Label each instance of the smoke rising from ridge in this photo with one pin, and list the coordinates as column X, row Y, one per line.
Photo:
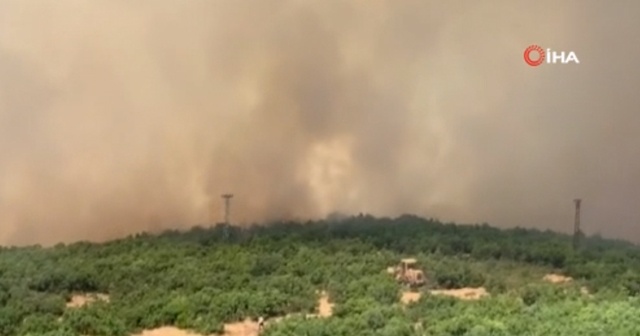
column 118, row 116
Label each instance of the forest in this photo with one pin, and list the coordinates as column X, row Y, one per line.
column 205, row 277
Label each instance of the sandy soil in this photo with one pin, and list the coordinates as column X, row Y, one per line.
column 463, row 293
column 246, row 328
column 325, row 308
column 408, row 297
column 166, row 331
column 79, row 300
column 556, row 278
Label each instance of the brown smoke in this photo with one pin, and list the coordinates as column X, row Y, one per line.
column 120, row 116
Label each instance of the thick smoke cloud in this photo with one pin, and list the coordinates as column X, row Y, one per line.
column 120, row 116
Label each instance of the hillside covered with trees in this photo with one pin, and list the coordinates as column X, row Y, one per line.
column 205, row 277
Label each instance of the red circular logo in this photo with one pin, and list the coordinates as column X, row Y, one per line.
column 527, row 55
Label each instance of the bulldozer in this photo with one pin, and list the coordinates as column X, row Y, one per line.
column 407, row 274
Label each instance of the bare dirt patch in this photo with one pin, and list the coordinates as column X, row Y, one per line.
column 167, row 331
column 325, row 308
column 556, row 278
column 408, row 297
column 79, row 300
column 245, row 328
column 463, row 293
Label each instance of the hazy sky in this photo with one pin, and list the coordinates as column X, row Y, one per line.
column 120, row 116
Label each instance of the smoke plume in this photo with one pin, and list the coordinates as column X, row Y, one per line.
column 120, row 116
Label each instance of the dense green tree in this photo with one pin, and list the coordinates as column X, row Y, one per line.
column 202, row 278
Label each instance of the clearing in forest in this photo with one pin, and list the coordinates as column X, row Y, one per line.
column 166, row 331
column 556, row 278
column 463, row 293
column 325, row 308
column 79, row 300
column 245, row 328
column 408, row 297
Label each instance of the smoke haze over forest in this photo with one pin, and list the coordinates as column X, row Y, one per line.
column 120, row 116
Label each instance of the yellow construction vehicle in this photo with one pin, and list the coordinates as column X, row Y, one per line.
column 407, row 274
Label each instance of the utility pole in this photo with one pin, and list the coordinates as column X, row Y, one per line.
column 227, row 205
column 576, row 227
